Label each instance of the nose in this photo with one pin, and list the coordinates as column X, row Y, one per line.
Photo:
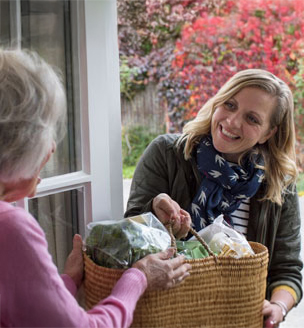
column 235, row 120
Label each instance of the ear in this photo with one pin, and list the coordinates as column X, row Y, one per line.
column 268, row 135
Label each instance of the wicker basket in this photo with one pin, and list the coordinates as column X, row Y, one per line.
column 219, row 293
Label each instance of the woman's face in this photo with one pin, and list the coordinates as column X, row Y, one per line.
column 242, row 122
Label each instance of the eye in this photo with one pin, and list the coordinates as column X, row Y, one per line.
column 253, row 120
column 229, row 105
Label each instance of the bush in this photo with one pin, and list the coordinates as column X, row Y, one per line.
column 134, row 141
column 300, row 184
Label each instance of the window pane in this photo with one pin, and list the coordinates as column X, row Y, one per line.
column 46, row 30
column 58, row 215
column 4, row 24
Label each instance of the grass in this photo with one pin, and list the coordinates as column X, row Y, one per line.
column 128, row 171
column 300, row 184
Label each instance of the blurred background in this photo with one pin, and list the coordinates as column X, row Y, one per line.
column 175, row 55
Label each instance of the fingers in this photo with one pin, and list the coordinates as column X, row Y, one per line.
column 167, row 254
column 266, row 311
column 169, row 211
column 165, row 208
column 185, row 223
column 273, row 315
column 161, row 271
column 179, row 279
column 77, row 243
column 179, row 271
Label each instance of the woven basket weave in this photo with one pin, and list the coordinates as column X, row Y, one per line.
column 226, row 293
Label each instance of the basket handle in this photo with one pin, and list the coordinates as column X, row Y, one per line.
column 196, row 235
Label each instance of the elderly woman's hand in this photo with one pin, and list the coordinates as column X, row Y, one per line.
column 168, row 211
column 161, row 271
column 74, row 263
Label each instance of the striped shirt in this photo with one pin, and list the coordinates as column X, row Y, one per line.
column 240, row 217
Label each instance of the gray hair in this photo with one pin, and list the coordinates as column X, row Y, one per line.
column 32, row 113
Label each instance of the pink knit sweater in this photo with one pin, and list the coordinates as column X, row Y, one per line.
column 32, row 293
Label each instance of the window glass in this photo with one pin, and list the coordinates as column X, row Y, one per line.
column 45, row 28
column 58, row 215
column 4, row 24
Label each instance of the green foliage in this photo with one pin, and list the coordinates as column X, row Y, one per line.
column 128, row 171
column 300, row 183
column 129, row 79
column 134, row 141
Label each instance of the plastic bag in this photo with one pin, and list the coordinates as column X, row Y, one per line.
column 224, row 240
column 119, row 244
column 191, row 249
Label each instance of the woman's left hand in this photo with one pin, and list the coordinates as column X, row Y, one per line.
column 74, row 263
column 272, row 314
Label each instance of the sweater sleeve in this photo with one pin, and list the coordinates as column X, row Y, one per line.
column 34, row 295
column 69, row 284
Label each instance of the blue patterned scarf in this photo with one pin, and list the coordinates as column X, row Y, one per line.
column 223, row 186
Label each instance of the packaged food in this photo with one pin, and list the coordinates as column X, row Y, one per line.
column 224, row 240
column 191, row 249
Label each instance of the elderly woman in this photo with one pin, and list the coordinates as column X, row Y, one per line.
column 236, row 158
column 32, row 113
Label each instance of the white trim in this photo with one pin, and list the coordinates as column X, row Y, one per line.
column 80, row 82
column 15, row 23
column 62, row 183
column 104, row 109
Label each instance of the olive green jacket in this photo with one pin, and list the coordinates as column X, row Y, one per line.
column 163, row 169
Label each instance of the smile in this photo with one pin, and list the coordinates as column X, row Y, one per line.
column 228, row 134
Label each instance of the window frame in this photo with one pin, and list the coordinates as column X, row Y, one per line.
column 97, row 90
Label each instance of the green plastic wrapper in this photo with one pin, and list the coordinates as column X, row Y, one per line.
column 119, row 244
column 191, row 249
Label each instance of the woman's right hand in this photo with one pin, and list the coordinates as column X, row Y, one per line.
column 163, row 271
column 168, row 211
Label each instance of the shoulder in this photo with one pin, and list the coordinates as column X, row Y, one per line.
column 18, row 225
column 164, row 143
column 167, row 139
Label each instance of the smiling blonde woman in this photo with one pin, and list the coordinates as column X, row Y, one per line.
column 237, row 158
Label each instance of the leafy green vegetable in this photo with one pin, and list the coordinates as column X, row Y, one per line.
column 119, row 244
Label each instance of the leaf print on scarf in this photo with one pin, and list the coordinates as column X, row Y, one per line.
column 234, row 177
column 261, row 177
column 215, row 174
column 220, row 160
column 202, row 198
column 195, row 208
column 241, row 196
column 224, row 205
column 223, row 185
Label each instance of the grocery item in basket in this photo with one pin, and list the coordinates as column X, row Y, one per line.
column 224, row 240
column 119, row 244
column 191, row 249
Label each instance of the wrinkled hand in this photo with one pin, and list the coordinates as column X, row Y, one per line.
column 272, row 314
column 161, row 271
column 74, row 263
column 167, row 211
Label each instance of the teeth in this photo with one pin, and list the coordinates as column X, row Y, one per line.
column 228, row 134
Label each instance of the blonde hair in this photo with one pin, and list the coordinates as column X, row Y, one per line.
column 278, row 151
column 32, row 113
